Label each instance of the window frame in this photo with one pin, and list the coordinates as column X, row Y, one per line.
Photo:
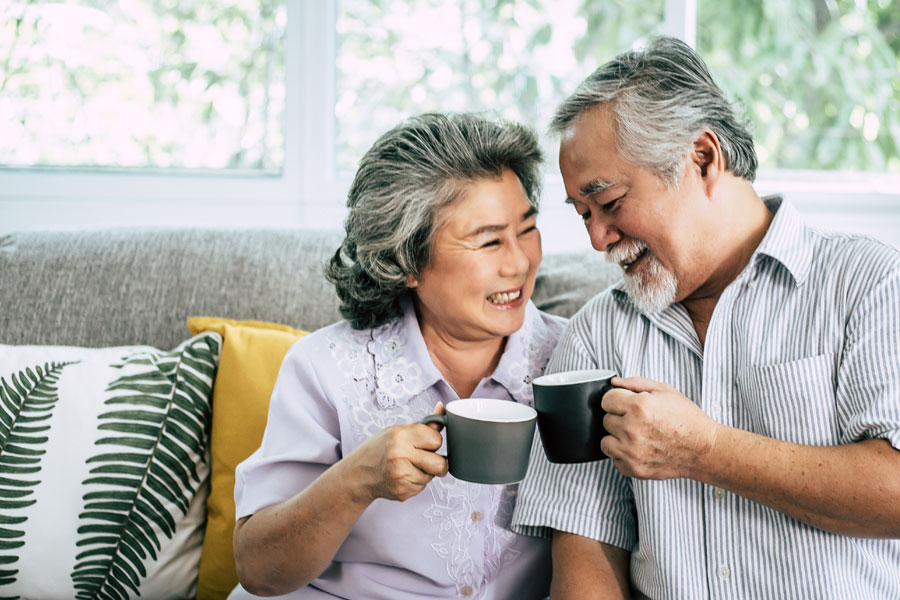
column 308, row 192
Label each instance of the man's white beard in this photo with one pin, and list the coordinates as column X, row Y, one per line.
column 653, row 288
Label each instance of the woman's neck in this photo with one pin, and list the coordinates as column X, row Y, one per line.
column 463, row 363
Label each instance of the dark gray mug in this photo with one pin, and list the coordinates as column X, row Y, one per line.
column 570, row 418
column 488, row 440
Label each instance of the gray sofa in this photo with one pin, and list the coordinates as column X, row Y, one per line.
column 126, row 287
column 136, row 286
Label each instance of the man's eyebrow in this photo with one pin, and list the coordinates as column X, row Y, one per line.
column 596, row 186
column 494, row 228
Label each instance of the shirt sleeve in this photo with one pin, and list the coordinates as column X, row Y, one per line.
column 868, row 391
column 590, row 499
column 301, row 440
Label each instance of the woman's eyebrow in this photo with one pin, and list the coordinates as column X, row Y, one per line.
column 495, row 228
column 485, row 229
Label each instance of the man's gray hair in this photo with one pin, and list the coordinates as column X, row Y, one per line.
column 662, row 97
column 412, row 172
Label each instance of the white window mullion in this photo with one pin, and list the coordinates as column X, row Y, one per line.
column 312, row 75
column 681, row 20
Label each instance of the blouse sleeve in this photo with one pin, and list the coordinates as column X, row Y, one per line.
column 302, row 437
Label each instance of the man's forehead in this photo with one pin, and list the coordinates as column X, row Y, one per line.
column 569, row 133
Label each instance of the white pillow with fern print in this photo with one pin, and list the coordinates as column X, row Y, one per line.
column 104, row 469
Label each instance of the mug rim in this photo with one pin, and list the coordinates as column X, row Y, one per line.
column 573, row 377
column 460, row 408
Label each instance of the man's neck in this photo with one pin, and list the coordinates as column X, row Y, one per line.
column 747, row 222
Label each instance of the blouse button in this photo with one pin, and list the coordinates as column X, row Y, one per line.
column 467, row 591
column 476, row 516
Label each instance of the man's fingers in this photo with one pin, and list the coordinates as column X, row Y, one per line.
column 639, row 384
column 615, row 401
column 613, row 424
column 610, row 446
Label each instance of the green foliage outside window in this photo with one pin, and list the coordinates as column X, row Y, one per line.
column 146, row 83
column 517, row 58
column 201, row 84
column 819, row 79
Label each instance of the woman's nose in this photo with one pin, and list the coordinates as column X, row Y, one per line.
column 516, row 261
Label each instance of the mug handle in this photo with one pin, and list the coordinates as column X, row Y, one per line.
column 442, row 419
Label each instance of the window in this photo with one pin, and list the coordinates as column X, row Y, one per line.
column 105, row 84
column 820, row 80
column 256, row 113
column 518, row 58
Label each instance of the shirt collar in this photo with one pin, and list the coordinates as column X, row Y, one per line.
column 787, row 241
column 404, row 369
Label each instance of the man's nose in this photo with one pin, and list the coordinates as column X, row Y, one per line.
column 602, row 233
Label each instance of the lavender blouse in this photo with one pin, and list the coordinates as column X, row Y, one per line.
column 337, row 387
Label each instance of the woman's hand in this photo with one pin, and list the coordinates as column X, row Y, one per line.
column 398, row 462
column 285, row 546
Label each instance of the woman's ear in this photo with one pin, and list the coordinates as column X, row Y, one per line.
column 707, row 156
column 411, row 281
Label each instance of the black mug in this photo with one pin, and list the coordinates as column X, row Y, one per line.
column 570, row 418
column 488, row 440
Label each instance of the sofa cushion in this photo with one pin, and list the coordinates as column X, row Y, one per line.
column 118, row 287
column 103, row 469
column 252, row 353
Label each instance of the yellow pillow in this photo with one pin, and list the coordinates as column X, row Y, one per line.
column 251, row 356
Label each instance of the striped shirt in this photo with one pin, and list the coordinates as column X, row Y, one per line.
column 803, row 346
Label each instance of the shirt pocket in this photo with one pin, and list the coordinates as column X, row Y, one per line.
column 792, row 401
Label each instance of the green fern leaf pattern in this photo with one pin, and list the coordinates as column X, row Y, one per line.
column 155, row 431
column 27, row 400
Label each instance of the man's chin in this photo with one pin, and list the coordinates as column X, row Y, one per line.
column 650, row 300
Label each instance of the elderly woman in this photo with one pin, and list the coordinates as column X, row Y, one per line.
column 347, row 496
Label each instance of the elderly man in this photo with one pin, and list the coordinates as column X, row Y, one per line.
column 754, row 438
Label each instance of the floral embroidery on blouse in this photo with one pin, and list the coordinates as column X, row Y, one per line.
column 385, row 388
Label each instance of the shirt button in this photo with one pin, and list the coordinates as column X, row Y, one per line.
column 719, row 493
column 724, row 572
column 476, row 516
column 716, row 409
column 467, row 591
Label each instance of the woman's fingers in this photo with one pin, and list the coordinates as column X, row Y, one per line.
column 438, row 410
column 430, row 463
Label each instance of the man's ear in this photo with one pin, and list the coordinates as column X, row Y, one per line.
column 411, row 281
column 707, row 157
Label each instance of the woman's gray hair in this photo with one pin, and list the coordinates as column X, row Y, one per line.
column 412, row 172
column 662, row 97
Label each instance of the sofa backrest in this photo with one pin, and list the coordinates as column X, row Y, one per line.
column 137, row 286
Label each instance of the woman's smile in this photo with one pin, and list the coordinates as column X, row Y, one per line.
column 508, row 299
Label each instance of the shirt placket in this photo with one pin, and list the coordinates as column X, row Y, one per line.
column 478, row 512
column 719, row 509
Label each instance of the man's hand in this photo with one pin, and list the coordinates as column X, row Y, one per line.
column 655, row 431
